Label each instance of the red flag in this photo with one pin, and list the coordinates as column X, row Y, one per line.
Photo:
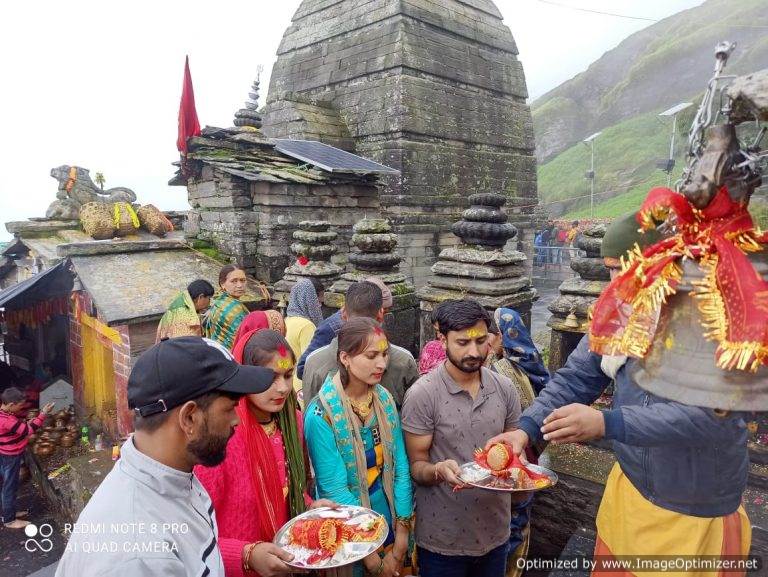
column 188, row 123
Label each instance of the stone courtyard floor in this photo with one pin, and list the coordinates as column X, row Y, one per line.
column 15, row 559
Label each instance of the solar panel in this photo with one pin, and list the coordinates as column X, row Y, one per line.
column 330, row 158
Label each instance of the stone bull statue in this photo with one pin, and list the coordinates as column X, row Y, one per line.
column 76, row 189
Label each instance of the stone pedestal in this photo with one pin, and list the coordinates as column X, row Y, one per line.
column 375, row 256
column 480, row 268
column 576, row 296
column 312, row 248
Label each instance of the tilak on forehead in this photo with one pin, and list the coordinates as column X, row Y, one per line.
column 382, row 343
column 474, row 333
column 284, row 362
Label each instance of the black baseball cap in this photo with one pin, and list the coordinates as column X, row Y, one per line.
column 178, row 370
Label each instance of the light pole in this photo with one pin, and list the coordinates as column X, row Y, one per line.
column 668, row 164
column 590, row 142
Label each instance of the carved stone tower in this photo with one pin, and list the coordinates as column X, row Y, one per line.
column 433, row 89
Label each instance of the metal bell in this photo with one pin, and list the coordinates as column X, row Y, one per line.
column 680, row 364
column 571, row 321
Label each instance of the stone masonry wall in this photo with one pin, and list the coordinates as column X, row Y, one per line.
column 251, row 223
column 433, row 89
column 281, row 207
column 222, row 214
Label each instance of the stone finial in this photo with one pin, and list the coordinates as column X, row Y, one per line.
column 375, row 243
column 249, row 116
column 374, row 256
column 576, row 296
column 480, row 268
column 484, row 223
column 312, row 246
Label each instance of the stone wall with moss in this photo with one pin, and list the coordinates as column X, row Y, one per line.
column 251, row 223
column 433, row 89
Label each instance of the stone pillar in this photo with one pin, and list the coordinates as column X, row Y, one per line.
column 313, row 250
column 375, row 255
column 480, row 268
column 576, row 296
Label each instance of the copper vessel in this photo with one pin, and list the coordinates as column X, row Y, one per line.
column 44, row 449
column 67, row 440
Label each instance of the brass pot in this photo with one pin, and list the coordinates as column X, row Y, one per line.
column 44, row 449
column 62, row 414
column 73, row 428
column 54, row 436
column 60, row 423
column 67, row 440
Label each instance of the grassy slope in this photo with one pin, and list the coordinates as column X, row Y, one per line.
column 626, row 152
column 625, row 158
column 695, row 31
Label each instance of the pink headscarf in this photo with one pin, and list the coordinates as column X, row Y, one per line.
column 431, row 355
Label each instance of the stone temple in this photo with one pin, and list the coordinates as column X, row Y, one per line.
column 431, row 88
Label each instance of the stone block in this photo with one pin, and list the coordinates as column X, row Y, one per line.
column 496, row 287
column 477, row 270
column 482, row 257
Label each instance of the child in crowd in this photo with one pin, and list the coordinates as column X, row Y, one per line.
column 14, row 436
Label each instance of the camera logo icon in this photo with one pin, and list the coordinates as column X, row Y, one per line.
column 38, row 538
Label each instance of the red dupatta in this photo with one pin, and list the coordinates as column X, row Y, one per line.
column 271, row 507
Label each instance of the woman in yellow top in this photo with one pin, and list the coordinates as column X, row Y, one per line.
column 302, row 317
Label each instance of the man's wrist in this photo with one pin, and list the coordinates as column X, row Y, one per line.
column 531, row 428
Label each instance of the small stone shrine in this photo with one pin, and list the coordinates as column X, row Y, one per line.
column 570, row 310
column 480, row 268
column 312, row 246
column 247, row 197
column 375, row 255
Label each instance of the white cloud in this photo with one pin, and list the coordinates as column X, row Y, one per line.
column 97, row 84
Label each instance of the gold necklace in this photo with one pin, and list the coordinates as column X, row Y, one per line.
column 269, row 428
column 362, row 408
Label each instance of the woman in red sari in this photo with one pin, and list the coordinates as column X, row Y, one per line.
column 263, row 481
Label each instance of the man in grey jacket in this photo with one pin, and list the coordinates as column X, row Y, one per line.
column 151, row 516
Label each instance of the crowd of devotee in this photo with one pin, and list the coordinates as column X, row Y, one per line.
column 245, row 420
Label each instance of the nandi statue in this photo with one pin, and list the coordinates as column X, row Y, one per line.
column 76, row 189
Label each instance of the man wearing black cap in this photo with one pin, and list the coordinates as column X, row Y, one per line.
column 151, row 516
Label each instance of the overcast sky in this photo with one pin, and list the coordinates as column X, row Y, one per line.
column 97, row 83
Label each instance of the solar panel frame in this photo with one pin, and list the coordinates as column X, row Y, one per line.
column 330, row 158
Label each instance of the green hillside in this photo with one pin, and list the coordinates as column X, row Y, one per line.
column 625, row 168
column 625, row 162
column 653, row 69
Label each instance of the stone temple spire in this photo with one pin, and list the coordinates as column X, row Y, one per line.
column 249, row 116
